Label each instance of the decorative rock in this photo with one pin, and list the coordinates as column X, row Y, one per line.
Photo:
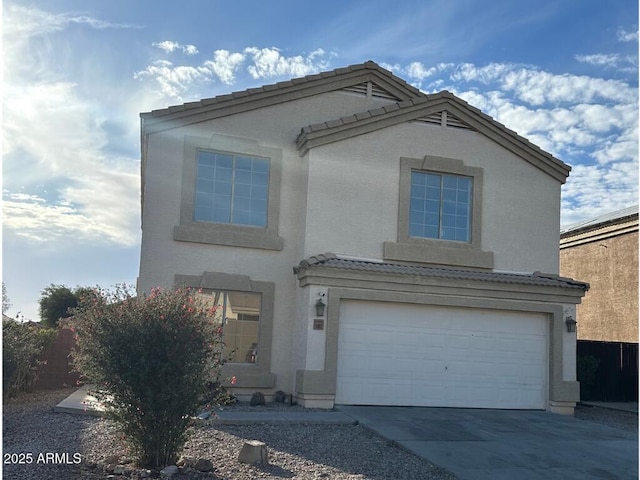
column 186, row 462
column 257, row 399
column 254, row 451
column 204, row 415
column 119, row 469
column 110, row 468
column 169, row 471
column 145, row 473
column 204, row 465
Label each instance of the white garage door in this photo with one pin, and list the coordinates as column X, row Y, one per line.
column 415, row 355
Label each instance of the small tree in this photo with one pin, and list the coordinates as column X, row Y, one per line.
column 55, row 303
column 151, row 357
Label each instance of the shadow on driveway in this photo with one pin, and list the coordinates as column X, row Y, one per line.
column 479, row 444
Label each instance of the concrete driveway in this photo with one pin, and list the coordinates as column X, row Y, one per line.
column 478, row 444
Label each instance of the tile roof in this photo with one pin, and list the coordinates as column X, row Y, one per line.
column 411, row 101
column 602, row 220
column 330, row 260
column 413, row 108
column 368, row 66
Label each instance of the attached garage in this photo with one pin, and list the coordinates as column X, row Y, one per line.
column 424, row 355
column 410, row 335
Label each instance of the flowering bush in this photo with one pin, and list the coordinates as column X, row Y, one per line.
column 151, row 358
column 22, row 348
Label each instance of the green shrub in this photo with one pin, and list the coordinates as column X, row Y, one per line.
column 22, row 348
column 587, row 368
column 151, row 358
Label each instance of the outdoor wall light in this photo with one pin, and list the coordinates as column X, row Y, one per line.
column 320, row 308
column 571, row 324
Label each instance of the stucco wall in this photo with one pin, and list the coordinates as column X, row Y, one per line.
column 352, row 205
column 162, row 257
column 609, row 310
column 341, row 198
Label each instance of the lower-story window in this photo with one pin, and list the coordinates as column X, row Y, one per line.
column 238, row 313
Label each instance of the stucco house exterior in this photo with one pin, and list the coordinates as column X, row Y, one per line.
column 604, row 252
column 365, row 243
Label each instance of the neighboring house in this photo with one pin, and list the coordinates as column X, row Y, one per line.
column 604, row 252
column 438, row 220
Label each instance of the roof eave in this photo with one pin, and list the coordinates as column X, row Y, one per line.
column 367, row 122
column 269, row 95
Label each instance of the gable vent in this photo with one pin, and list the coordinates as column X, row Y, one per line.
column 444, row 119
column 371, row 89
column 435, row 118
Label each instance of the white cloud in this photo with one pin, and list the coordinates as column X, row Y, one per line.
column 600, row 59
column 30, row 21
column 190, row 49
column 179, row 82
column 269, row 62
column 169, row 47
column 225, row 65
column 594, row 190
column 174, row 81
column 417, row 72
column 624, row 36
column 99, row 213
column 538, row 87
column 55, row 139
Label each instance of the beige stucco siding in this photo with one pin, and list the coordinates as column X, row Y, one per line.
column 352, row 203
column 162, row 257
column 342, row 198
column 609, row 310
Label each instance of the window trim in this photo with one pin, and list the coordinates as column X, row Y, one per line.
column 431, row 250
column 222, row 233
column 248, row 375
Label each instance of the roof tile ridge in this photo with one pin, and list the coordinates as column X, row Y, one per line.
column 375, row 112
column 225, row 97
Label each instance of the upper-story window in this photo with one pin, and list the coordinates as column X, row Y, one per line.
column 440, row 206
column 231, row 189
column 230, row 193
column 439, row 214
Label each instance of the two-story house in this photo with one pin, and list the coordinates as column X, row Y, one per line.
column 365, row 243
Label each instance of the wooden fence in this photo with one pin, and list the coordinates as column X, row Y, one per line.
column 56, row 373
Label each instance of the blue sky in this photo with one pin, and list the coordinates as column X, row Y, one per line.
column 78, row 73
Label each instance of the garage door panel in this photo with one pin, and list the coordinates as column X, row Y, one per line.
column 440, row 356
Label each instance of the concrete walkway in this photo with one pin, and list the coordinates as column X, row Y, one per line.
column 478, row 444
column 81, row 402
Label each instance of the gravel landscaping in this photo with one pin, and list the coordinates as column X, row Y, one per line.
column 297, row 451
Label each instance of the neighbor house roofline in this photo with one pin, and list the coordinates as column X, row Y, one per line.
column 619, row 216
column 613, row 224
